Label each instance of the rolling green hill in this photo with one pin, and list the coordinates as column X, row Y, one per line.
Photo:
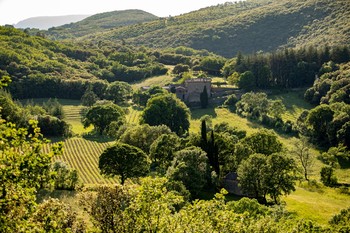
column 247, row 26
column 100, row 22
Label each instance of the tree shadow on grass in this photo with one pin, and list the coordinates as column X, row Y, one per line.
column 344, row 163
column 59, row 194
column 92, row 136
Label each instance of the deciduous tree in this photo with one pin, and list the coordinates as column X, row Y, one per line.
column 167, row 110
column 301, row 151
column 102, row 115
column 190, row 166
column 123, row 160
column 261, row 175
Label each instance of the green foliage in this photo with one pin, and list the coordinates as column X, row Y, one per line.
column 129, row 208
column 190, row 166
column 54, row 108
column 141, row 97
column 263, row 142
column 52, row 126
column 180, row 68
column 105, row 206
column 55, row 216
column 211, row 65
column 224, row 127
column 10, row 111
column 24, row 169
column 246, row 81
column 341, row 220
column 143, row 136
column 233, row 78
column 248, row 27
column 333, row 86
column 250, row 206
column 168, row 110
column 40, row 68
column 262, row 175
column 99, row 23
column 231, row 101
column 89, row 98
column 162, row 151
column 327, row 176
column 334, row 155
column 64, row 177
column 276, row 109
column 302, row 154
column 319, row 119
column 254, row 105
column 102, row 115
column 123, row 160
column 118, row 92
column 4, row 81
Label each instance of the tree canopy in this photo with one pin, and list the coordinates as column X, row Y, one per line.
column 190, row 166
column 167, row 110
column 102, row 115
column 262, row 175
column 123, row 160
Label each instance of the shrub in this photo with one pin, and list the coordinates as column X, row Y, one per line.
column 327, row 176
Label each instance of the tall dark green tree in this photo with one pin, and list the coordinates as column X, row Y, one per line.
column 204, row 97
column 319, row 119
column 213, row 153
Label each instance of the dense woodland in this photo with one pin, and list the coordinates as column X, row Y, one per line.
column 162, row 171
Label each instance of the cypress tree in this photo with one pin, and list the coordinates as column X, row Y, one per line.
column 204, row 97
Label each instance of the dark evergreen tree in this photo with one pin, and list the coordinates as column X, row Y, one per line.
column 213, row 153
column 204, row 97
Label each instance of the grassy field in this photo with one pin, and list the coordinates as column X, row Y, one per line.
column 221, row 115
column 72, row 110
column 158, row 80
column 294, row 102
column 319, row 205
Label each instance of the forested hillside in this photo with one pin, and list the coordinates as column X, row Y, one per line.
column 42, row 68
column 100, row 22
column 247, row 26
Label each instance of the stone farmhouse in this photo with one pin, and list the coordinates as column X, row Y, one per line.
column 190, row 91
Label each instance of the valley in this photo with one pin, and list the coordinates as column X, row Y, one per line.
column 230, row 118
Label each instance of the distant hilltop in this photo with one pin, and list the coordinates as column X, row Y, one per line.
column 46, row 22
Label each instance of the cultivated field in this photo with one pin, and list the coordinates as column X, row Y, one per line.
column 82, row 154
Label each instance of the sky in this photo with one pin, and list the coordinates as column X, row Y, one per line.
column 13, row 11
